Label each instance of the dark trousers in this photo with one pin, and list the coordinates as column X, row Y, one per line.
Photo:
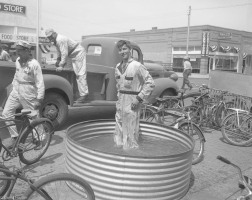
column 186, row 74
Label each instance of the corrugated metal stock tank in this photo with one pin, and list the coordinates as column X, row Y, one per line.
column 150, row 173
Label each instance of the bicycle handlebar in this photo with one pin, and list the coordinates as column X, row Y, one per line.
column 223, row 160
column 23, row 113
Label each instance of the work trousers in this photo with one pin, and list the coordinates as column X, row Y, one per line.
column 10, row 107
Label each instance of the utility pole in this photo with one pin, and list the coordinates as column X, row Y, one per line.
column 188, row 29
column 38, row 30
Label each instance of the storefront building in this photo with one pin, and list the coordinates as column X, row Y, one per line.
column 209, row 48
column 19, row 21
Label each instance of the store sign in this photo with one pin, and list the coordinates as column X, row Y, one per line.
column 205, row 43
column 44, row 40
column 14, row 38
column 12, row 8
column 224, row 36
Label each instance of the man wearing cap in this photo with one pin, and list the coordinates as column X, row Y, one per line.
column 28, row 86
column 186, row 73
column 4, row 56
column 68, row 48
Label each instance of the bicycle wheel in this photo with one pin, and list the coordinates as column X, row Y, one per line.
column 188, row 99
column 4, row 184
column 237, row 129
column 35, row 140
column 61, row 186
column 170, row 115
column 148, row 114
column 222, row 111
column 195, row 132
column 195, row 113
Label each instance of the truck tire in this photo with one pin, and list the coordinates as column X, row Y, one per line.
column 55, row 108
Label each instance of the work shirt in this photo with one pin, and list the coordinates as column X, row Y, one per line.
column 135, row 78
column 28, row 82
column 64, row 47
column 187, row 65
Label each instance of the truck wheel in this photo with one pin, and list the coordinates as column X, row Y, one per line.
column 55, row 108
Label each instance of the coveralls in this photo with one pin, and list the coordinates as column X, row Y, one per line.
column 135, row 80
column 69, row 48
column 186, row 73
column 28, row 87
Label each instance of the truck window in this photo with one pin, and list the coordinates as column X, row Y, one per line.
column 94, row 50
column 135, row 54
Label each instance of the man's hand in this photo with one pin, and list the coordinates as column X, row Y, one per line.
column 134, row 104
column 57, row 63
column 37, row 104
column 59, row 69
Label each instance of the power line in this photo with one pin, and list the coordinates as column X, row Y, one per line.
column 246, row 4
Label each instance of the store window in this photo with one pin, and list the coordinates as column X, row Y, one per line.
column 178, row 64
column 226, row 63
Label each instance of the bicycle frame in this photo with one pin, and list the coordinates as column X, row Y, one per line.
column 24, row 121
column 19, row 175
column 243, row 180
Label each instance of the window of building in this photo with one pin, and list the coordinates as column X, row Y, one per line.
column 226, row 63
column 178, row 65
column 94, row 50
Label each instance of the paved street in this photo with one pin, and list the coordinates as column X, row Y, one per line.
column 211, row 179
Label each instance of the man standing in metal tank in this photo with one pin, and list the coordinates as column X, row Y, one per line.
column 134, row 84
column 68, row 48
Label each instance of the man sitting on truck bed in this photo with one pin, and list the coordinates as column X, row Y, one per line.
column 68, row 48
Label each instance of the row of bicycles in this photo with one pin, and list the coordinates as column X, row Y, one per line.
column 54, row 187
column 208, row 108
column 195, row 111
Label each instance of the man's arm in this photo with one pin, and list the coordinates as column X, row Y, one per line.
column 39, row 81
column 63, row 48
column 148, row 83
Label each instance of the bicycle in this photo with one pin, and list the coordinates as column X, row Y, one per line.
column 179, row 119
column 181, row 100
column 210, row 110
column 244, row 183
column 237, row 127
column 57, row 187
column 34, row 137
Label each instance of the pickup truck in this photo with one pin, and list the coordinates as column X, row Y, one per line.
column 102, row 56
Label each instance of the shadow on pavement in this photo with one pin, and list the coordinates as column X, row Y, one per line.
column 45, row 161
column 56, row 139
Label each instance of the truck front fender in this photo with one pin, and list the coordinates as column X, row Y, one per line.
column 162, row 85
column 60, row 85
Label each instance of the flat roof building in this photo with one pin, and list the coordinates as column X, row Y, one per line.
column 209, row 47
